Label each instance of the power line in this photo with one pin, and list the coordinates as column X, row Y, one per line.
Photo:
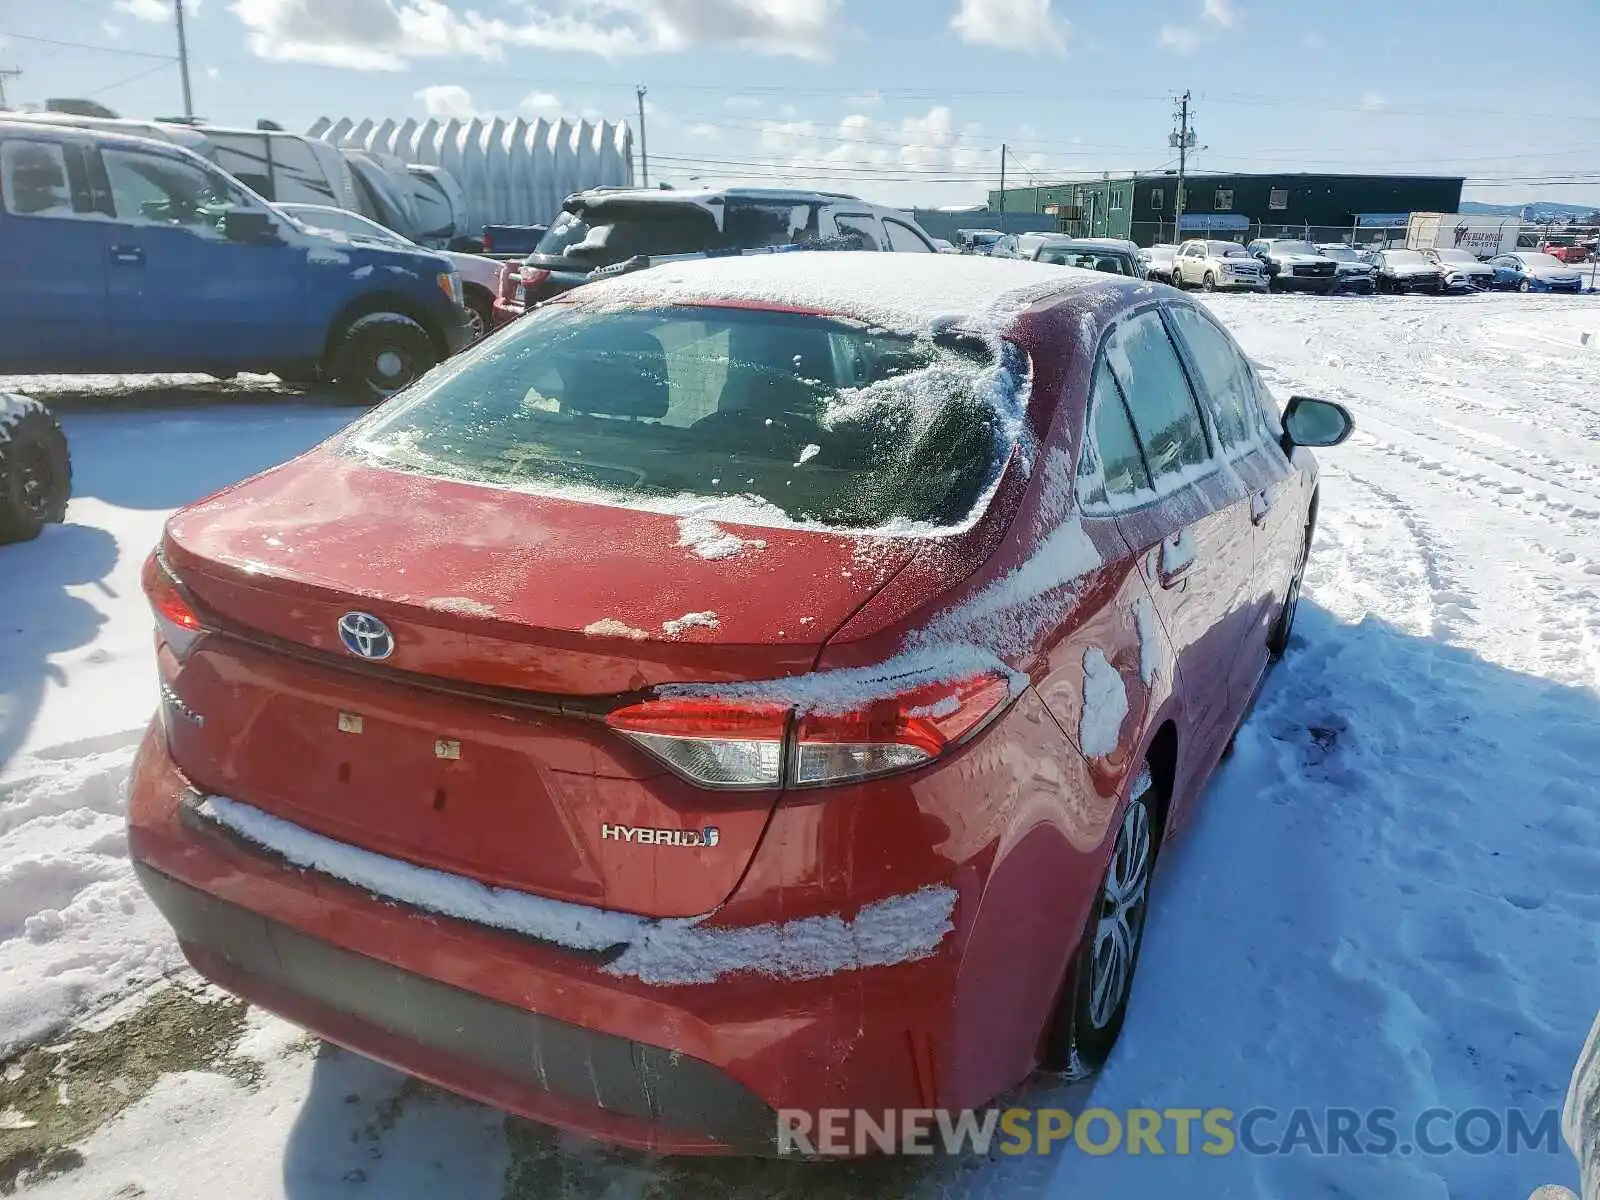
column 147, row 71
column 44, row 41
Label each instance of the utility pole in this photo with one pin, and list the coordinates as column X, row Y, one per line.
column 1184, row 140
column 183, row 60
column 644, row 142
column 5, row 74
column 1002, row 187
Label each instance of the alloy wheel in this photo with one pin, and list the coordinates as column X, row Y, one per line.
column 1123, row 903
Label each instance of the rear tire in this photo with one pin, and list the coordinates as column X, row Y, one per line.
column 1524, row 286
column 1094, row 1003
column 35, row 469
column 380, row 354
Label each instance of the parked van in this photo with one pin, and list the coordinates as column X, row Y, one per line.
column 422, row 204
column 124, row 254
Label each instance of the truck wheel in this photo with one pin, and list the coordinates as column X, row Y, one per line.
column 380, row 354
column 1209, row 283
column 35, row 469
column 480, row 310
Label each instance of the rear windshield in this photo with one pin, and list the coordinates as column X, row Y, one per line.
column 615, row 234
column 790, row 418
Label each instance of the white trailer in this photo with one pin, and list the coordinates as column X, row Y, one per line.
column 1482, row 236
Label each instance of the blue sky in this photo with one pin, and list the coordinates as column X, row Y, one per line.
column 893, row 99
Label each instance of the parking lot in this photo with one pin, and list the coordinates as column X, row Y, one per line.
column 1387, row 899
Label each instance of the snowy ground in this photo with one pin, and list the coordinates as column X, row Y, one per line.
column 1390, row 898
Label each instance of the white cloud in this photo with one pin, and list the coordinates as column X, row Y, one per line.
column 1012, row 25
column 144, row 10
column 447, row 100
column 1180, row 39
column 865, row 100
column 704, row 132
column 892, row 161
column 386, row 35
column 1373, row 101
column 1215, row 15
column 542, row 104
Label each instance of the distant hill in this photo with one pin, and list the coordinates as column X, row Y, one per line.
column 1539, row 210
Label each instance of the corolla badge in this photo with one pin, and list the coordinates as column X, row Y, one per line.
column 365, row 636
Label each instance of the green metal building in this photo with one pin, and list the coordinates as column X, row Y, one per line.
column 1324, row 207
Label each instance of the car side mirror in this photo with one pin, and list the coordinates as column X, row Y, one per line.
column 248, row 225
column 1308, row 422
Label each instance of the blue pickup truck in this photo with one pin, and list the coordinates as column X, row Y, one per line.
column 127, row 255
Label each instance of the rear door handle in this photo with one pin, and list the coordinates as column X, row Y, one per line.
column 1177, row 557
column 1260, row 506
column 128, row 256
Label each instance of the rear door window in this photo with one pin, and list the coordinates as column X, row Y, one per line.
column 43, row 179
column 1111, row 469
column 860, row 230
column 1224, row 378
column 905, row 240
column 1146, row 367
column 791, row 416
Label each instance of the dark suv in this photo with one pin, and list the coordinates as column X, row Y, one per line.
column 612, row 228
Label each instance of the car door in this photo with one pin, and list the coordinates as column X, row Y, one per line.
column 1193, row 538
column 1190, row 264
column 1122, row 632
column 52, row 247
column 1276, row 503
column 182, row 296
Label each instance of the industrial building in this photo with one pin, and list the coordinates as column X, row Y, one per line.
column 1324, row 208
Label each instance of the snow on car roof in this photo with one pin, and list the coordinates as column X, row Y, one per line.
column 903, row 292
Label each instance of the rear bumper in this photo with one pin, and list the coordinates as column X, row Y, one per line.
column 548, row 1033
column 494, row 1052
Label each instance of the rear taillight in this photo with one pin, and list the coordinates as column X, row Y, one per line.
column 716, row 743
column 177, row 623
column 732, row 743
column 532, row 277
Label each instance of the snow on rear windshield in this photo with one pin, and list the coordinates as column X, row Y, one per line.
column 797, row 419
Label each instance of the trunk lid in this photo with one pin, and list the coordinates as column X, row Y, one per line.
column 418, row 756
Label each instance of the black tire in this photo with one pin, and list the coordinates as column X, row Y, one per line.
column 1283, row 627
column 1524, row 286
column 480, row 308
column 35, row 469
column 1087, row 1024
column 379, row 354
column 1208, row 283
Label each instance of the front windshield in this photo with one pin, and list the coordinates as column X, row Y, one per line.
column 349, row 224
column 800, row 418
column 1542, row 260
column 1405, row 258
column 1228, row 250
column 1341, row 254
column 1294, row 248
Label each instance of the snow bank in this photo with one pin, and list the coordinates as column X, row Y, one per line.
column 75, row 927
column 668, row 951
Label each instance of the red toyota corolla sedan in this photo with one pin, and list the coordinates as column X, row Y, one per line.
column 749, row 685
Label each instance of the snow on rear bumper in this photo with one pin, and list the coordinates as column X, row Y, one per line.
column 899, row 929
